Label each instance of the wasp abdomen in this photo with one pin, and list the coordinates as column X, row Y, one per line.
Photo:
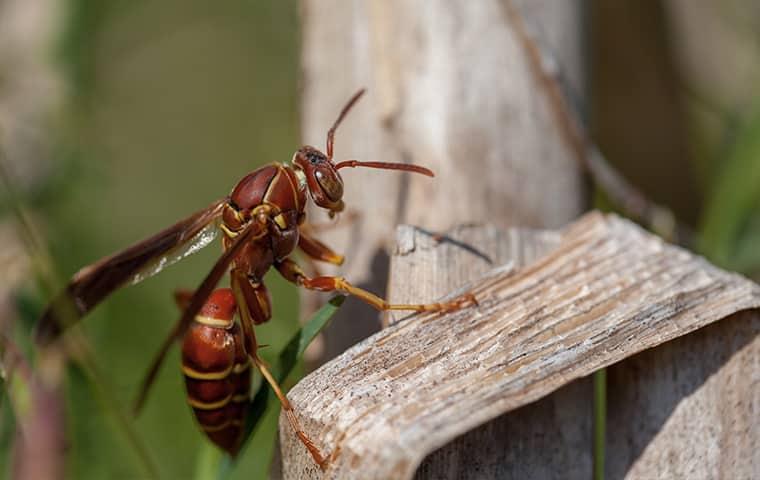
column 217, row 371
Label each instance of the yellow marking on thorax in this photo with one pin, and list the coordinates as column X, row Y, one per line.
column 214, row 322
column 294, row 189
column 209, row 405
column 271, row 184
column 230, row 234
column 195, row 374
column 301, row 176
column 281, row 222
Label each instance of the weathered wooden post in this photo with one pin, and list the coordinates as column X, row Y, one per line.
column 449, row 87
column 499, row 391
column 567, row 304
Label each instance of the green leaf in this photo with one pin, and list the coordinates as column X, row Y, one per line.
column 734, row 200
column 746, row 253
column 295, row 348
column 281, row 368
column 208, row 462
column 287, row 360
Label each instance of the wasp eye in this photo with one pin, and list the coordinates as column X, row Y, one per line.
column 330, row 183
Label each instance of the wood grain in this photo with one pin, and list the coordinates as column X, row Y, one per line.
column 554, row 432
column 607, row 291
column 427, row 265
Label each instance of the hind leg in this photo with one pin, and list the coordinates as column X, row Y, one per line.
column 255, row 308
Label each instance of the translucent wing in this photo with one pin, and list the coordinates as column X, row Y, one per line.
column 194, row 302
column 93, row 283
column 201, row 239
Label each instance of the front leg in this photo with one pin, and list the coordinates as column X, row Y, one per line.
column 293, row 273
column 317, row 250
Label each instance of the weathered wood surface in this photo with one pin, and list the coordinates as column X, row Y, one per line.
column 689, row 408
column 555, row 432
column 607, row 291
column 449, row 87
column 426, row 266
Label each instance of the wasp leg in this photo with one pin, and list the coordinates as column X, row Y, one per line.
column 194, row 304
column 182, row 297
column 318, row 250
column 293, row 273
column 254, row 305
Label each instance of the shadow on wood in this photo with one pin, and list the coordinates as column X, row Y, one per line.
column 703, row 390
column 544, row 438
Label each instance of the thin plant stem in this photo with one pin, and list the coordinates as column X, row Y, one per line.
column 600, row 422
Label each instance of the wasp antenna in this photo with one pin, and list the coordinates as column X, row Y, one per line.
column 386, row 166
column 343, row 113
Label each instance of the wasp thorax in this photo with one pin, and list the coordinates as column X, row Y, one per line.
column 323, row 180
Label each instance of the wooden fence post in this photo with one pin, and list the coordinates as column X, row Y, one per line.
column 689, row 408
column 449, row 87
column 492, row 391
column 551, row 435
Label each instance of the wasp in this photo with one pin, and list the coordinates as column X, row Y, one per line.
column 262, row 223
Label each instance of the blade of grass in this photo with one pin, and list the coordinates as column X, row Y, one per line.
column 281, row 368
column 210, row 460
column 734, row 198
column 296, row 347
column 288, row 358
column 600, row 422
column 84, row 357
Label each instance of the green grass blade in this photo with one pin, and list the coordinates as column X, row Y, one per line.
column 288, row 358
column 209, row 460
column 734, row 200
column 75, row 343
column 600, row 422
column 293, row 351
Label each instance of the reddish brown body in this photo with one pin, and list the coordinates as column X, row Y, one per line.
column 275, row 192
column 261, row 221
column 217, row 371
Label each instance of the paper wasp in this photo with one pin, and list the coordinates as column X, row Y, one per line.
column 262, row 224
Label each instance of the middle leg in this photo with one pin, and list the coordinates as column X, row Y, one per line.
column 293, row 273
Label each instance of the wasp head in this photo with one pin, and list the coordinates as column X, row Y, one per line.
column 322, row 178
column 324, row 183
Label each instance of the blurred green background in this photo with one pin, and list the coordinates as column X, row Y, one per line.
column 164, row 105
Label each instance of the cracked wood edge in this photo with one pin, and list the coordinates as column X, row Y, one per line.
column 426, row 266
column 607, row 291
column 556, row 430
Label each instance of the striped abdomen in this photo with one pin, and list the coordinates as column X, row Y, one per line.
column 217, row 371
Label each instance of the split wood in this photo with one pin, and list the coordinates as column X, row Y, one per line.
column 566, row 305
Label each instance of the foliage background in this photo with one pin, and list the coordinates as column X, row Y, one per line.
column 167, row 103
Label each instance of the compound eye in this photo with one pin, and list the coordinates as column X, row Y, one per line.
column 330, row 183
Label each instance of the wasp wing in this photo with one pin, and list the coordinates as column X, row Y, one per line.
column 193, row 303
column 93, row 283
